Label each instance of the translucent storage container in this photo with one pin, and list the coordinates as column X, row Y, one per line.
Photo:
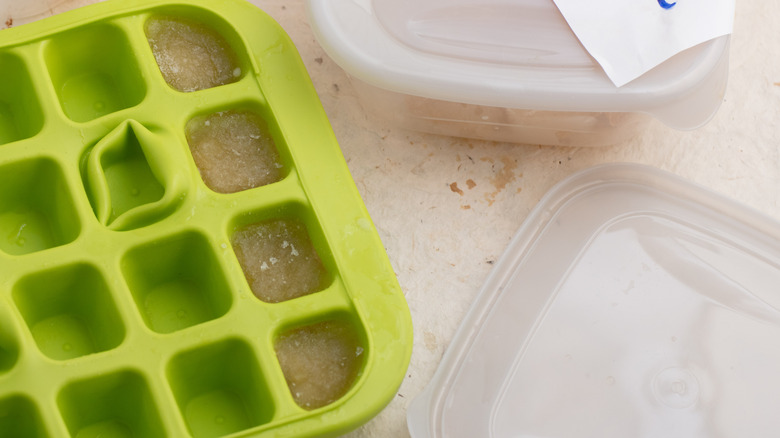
column 507, row 70
column 629, row 304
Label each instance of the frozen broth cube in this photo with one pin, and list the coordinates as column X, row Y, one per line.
column 278, row 260
column 233, row 151
column 320, row 362
column 190, row 55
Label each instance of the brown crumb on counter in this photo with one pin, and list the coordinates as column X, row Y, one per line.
column 470, row 183
column 10, row 22
column 454, row 188
column 506, row 174
column 318, row 60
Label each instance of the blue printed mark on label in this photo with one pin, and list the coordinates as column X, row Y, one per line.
column 666, row 5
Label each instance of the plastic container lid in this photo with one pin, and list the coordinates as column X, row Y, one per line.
column 629, row 304
column 507, row 53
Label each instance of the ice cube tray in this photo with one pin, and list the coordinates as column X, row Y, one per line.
column 123, row 308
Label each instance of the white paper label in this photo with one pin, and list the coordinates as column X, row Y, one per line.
column 629, row 37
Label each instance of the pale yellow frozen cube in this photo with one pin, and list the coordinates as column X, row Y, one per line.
column 190, row 55
column 278, row 260
column 233, row 151
column 320, row 362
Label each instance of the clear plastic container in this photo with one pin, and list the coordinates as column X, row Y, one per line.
column 507, row 70
column 629, row 304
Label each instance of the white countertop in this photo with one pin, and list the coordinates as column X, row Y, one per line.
column 442, row 243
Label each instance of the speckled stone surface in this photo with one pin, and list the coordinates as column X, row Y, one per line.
column 447, row 207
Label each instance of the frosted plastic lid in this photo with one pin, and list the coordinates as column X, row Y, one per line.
column 507, row 53
column 629, row 304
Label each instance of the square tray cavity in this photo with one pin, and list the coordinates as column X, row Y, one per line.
column 182, row 256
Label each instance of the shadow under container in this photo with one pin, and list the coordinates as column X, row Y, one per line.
column 506, row 71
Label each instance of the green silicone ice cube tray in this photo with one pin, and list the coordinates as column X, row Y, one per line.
column 124, row 310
